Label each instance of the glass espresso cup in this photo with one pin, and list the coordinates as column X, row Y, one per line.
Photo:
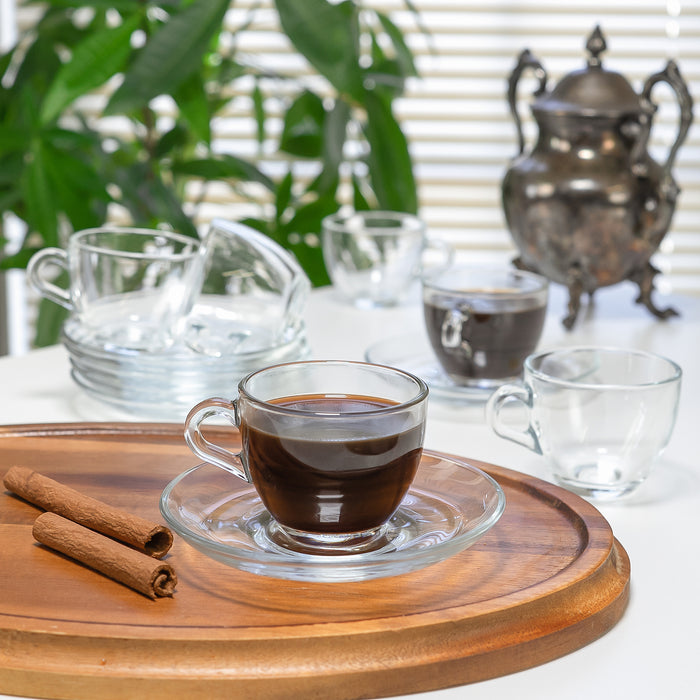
column 484, row 321
column 331, row 447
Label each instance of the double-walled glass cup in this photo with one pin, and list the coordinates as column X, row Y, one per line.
column 331, row 448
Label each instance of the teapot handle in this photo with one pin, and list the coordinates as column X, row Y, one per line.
column 525, row 60
column 671, row 75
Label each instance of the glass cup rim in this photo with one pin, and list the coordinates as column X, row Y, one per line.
column 193, row 243
column 431, row 282
column 338, row 222
column 421, row 393
column 674, row 375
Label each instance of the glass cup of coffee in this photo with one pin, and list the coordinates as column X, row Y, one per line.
column 331, row 447
column 482, row 322
column 600, row 416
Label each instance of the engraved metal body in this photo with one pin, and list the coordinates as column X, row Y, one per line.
column 587, row 207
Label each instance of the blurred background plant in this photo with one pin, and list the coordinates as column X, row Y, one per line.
column 160, row 73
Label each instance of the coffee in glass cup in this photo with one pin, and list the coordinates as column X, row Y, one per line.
column 331, row 448
column 482, row 322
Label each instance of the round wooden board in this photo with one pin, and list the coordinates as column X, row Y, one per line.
column 546, row 580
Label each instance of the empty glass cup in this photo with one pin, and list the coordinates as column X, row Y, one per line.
column 128, row 288
column 601, row 416
column 373, row 257
column 250, row 296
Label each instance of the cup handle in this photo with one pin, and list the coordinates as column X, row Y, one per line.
column 451, row 332
column 528, row 437
column 208, row 451
column 35, row 274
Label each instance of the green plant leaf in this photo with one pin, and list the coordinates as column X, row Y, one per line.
column 148, row 199
column 334, row 136
column 5, row 61
column 327, row 35
column 302, row 235
column 41, row 211
column 224, row 167
column 79, row 190
column 191, row 98
column 50, row 320
column 283, row 196
column 13, row 139
column 170, row 56
column 359, row 199
column 96, row 59
column 259, row 112
column 171, row 140
column 389, row 160
column 404, row 56
column 106, row 4
column 8, row 201
column 302, row 134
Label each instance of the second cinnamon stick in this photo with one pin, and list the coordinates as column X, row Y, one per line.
column 134, row 569
column 150, row 538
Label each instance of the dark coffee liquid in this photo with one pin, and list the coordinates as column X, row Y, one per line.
column 334, row 481
column 494, row 345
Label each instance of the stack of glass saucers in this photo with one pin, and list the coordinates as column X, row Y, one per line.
column 153, row 350
column 165, row 384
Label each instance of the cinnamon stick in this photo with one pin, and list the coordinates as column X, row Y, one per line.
column 148, row 537
column 134, row 569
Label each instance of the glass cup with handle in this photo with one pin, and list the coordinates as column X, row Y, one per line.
column 331, row 447
column 373, row 257
column 129, row 288
column 600, row 416
column 483, row 321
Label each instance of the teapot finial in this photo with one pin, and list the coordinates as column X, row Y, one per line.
column 596, row 45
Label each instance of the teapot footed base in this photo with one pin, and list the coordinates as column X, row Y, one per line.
column 643, row 277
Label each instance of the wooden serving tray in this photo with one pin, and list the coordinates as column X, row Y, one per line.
column 546, row 580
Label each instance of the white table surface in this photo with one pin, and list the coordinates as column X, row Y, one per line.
column 654, row 650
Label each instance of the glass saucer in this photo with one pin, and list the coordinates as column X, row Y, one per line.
column 412, row 353
column 164, row 385
column 450, row 505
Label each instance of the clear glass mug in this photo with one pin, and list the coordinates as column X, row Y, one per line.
column 331, row 447
column 600, row 416
column 129, row 288
column 373, row 257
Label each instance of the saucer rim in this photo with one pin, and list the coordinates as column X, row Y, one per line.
column 180, row 356
column 448, row 390
column 267, row 563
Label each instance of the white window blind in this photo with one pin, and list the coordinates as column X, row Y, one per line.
column 456, row 116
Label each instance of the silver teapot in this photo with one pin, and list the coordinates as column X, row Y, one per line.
column 587, row 207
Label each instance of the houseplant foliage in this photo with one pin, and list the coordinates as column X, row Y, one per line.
column 65, row 169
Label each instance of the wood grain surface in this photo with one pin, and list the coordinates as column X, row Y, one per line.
column 546, row 580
